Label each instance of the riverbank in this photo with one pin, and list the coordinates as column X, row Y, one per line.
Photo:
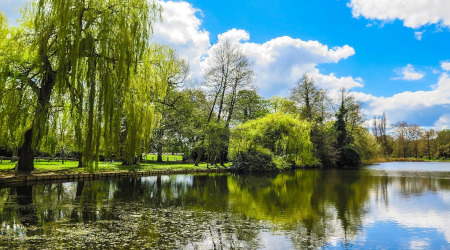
column 69, row 171
column 382, row 159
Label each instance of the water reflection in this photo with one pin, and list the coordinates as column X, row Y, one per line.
column 301, row 209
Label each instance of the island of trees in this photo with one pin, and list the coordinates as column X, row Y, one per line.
column 83, row 79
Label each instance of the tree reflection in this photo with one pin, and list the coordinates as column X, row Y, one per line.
column 27, row 212
column 213, row 211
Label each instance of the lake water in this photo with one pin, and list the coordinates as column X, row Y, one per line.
column 390, row 205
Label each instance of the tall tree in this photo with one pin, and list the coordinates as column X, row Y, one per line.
column 160, row 69
column 250, row 106
column 310, row 98
column 429, row 136
column 416, row 133
column 173, row 107
column 347, row 119
column 90, row 49
column 404, row 135
column 379, row 130
column 443, row 143
column 342, row 138
column 229, row 71
column 314, row 107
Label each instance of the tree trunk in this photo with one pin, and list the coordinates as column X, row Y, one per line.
column 33, row 134
column 199, row 157
column 89, row 145
column 80, row 160
column 26, row 160
column 14, row 155
column 134, row 161
column 159, row 153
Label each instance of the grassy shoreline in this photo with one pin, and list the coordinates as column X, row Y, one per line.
column 383, row 159
column 71, row 167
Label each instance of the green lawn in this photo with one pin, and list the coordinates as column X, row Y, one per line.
column 152, row 157
column 72, row 167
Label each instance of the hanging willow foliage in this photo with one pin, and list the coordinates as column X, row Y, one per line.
column 280, row 135
column 85, row 52
column 160, row 66
column 15, row 94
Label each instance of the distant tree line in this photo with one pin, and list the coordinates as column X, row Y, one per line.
column 406, row 140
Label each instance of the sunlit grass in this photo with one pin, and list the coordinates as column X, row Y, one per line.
column 411, row 159
column 153, row 157
column 7, row 167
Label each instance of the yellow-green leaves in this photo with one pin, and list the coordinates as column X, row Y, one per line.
column 148, row 85
column 285, row 137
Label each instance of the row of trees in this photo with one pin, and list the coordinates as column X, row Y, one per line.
column 227, row 120
column 81, row 78
column 411, row 140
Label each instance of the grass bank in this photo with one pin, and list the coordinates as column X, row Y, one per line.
column 71, row 167
column 387, row 159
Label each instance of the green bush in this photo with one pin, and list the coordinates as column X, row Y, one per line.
column 253, row 160
column 349, row 157
column 281, row 136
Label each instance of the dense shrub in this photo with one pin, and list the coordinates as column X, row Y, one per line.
column 282, row 136
column 349, row 157
column 253, row 160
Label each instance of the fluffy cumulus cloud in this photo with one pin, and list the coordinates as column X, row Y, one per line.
column 407, row 105
column 443, row 122
column 408, row 73
column 181, row 28
column 413, row 13
column 278, row 63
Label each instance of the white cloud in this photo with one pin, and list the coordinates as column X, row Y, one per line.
column 445, row 65
column 443, row 122
column 407, row 104
column 418, row 34
column 280, row 62
column 408, row 73
column 413, row 13
column 181, row 29
column 234, row 35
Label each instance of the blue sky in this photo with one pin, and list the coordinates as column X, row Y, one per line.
column 379, row 48
column 392, row 53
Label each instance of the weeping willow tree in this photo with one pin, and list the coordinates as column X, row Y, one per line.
column 88, row 53
column 281, row 136
column 159, row 68
column 15, row 95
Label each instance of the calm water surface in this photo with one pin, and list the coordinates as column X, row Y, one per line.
column 391, row 205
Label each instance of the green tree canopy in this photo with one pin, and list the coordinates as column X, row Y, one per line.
column 280, row 135
column 93, row 55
